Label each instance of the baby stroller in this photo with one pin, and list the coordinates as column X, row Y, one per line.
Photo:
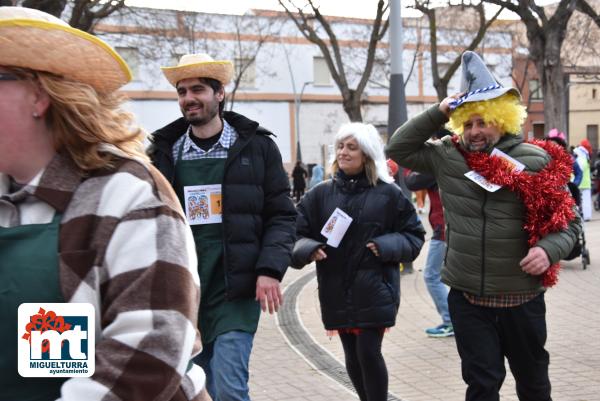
column 579, row 249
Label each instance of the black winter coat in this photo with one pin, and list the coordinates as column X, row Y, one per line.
column 258, row 213
column 356, row 288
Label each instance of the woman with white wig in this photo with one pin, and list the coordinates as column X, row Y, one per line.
column 358, row 227
column 86, row 220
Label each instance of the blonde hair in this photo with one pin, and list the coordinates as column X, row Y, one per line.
column 370, row 169
column 370, row 143
column 82, row 121
column 506, row 112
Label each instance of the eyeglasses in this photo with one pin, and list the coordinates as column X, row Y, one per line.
column 7, row 76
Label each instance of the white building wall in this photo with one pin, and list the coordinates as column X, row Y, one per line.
column 282, row 68
column 274, row 117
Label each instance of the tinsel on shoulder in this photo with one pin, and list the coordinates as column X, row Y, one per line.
column 548, row 205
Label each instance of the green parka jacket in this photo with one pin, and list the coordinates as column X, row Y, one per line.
column 485, row 234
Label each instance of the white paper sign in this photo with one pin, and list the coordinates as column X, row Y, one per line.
column 482, row 182
column 336, row 226
column 516, row 165
column 203, row 204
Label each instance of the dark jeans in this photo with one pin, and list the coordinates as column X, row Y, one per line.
column 484, row 336
column 365, row 364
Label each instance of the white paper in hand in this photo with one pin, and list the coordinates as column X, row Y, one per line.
column 336, row 226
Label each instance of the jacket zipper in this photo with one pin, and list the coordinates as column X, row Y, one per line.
column 483, row 242
column 447, row 232
column 230, row 158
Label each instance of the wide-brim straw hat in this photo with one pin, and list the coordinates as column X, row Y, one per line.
column 199, row 66
column 39, row 41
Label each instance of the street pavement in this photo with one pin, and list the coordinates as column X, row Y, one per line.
column 428, row 369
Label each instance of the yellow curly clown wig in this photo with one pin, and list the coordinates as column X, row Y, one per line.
column 505, row 111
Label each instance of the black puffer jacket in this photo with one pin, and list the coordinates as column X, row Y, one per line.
column 356, row 288
column 258, row 214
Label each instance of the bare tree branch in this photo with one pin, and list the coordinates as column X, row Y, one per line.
column 584, row 7
column 546, row 36
column 87, row 13
column 441, row 83
column 332, row 50
column 54, row 7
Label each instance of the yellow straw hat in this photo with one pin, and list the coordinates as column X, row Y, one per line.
column 33, row 39
column 199, row 66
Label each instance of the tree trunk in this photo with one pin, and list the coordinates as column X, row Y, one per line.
column 441, row 87
column 550, row 72
column 555, row 98
column 351, row 105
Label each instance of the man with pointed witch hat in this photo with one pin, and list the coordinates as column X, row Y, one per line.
column 509, row 220
column 245, row 233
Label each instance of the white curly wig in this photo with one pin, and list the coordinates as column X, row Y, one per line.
column 370, row 144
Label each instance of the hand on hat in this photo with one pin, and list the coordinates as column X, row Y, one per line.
column 445, row 104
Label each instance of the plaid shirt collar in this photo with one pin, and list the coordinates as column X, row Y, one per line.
column 54, row 185
column 228, row 137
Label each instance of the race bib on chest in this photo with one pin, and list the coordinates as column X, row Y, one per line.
column 514, row 164
column 203, row 204
column 336, row 226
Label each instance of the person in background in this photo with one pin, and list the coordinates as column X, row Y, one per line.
column 392, row 167
column 85, row 218
column 228, row 175
column 358, row 227
column 437, row 246
column 505, row 232
column 583, row 153
column 420, row 197
column 561, row 139
column 317, row 176
column 299, row 175
column 596, row 181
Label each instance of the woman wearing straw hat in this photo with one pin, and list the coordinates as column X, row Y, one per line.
column 80, row 213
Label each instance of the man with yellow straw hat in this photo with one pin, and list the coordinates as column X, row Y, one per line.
column 229, row 177
column 85, row 218
column 509, row 220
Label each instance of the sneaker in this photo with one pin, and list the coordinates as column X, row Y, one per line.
column 443, row 330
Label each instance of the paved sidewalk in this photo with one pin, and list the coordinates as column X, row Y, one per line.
column 426, row 369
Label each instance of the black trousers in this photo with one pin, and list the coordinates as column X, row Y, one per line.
column 484, row 336
column 365, row 364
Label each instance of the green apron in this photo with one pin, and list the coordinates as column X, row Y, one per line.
column 28, row 273
column 217, row 315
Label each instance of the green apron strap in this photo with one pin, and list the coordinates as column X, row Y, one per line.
column 29, row 272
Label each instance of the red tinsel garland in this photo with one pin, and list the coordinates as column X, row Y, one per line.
column 548, row 206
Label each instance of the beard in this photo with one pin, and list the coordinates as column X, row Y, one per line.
column 489, row 143
column 200, row 117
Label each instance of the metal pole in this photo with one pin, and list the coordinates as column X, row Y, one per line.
column 298, row 104
column 397, row 113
